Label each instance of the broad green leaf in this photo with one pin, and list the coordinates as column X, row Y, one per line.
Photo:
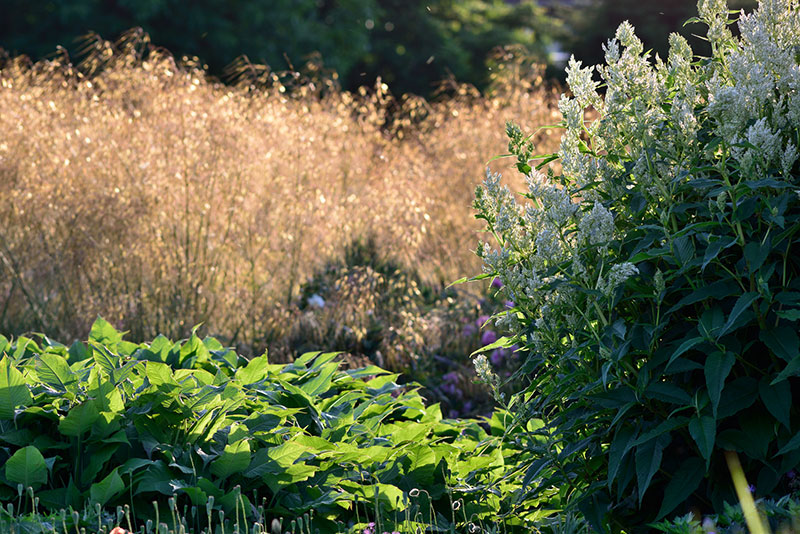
column 105, row 490
column 79, row 419
column 54, row 371
column 648, row 460
column 718, row 367
column 423, row 464
column 13, row 389
column 685, row 480
column 27, row 467
column 103, row 333
column 683, row 248
column 756, row 252
column 742, row 304
column 782, row 341
column 159, row 373
column 321, row 382
column 235, row 458
column 105, row 359
column 255, row 370
column 790, row 315
column 106, row 395
column 777, row 398
column 703, row 430
column 286, row 453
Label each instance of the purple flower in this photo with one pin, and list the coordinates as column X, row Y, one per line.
column 496, row 283
column 751, row 488
column 468, row 406
column 497, row 357
column 469, row 330
column 510, row 304
column 452, row 390
column 481, row 320
column 488, row 338
column 452, row 376
column 791, row 474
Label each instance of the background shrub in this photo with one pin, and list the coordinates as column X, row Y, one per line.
column 655, row 277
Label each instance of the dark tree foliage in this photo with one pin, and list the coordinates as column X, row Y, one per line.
column 593, row 22
column 412, row 44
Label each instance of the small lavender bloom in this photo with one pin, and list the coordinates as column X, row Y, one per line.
column 469, row 330
column 480, row 321
column 751, row 488
column 468, row 406
column 452, row 390
column 452, row 376
column 510, row 304
column 496, row 283
column 496, row 357
column 488, row 338
column 791, row 474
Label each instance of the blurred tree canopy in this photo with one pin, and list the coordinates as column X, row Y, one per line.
column 593, row 22
column 411, row 44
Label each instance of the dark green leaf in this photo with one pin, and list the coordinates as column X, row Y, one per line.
column 103, row 491
column 777, row 398
column 648, row 460
column 703, row 430
column 684, row 481
column 782, row 341
column 717, row 368
column 79, row 419
column 742, row 304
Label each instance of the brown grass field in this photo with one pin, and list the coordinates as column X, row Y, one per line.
column 135, row 188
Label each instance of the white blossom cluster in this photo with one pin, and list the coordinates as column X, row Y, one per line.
column 645, row 137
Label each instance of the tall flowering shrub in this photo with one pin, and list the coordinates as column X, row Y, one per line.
column 657, row 276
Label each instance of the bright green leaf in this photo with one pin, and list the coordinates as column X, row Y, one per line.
column 13, row 389
column 27, row 467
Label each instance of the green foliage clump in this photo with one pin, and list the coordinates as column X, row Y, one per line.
column 113, row 423
column 656, row 279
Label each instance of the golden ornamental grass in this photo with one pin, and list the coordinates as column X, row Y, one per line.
column 135, row 188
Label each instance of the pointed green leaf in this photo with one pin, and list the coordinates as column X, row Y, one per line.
column 235, row 458
column 27, row 467
column 648, row 460
column 782, row 341
column 255, row 370
column 79, row 419
column 103, row 333
column 791, row 445
column 54, row 371
column 685, row 480
column 777, row 398
column 790, row 370
column 105, row 490
column 703, row 430
column 718, row 367
column 683, row 347
column 742, row 304
column 13, row 389
column 321, row 382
